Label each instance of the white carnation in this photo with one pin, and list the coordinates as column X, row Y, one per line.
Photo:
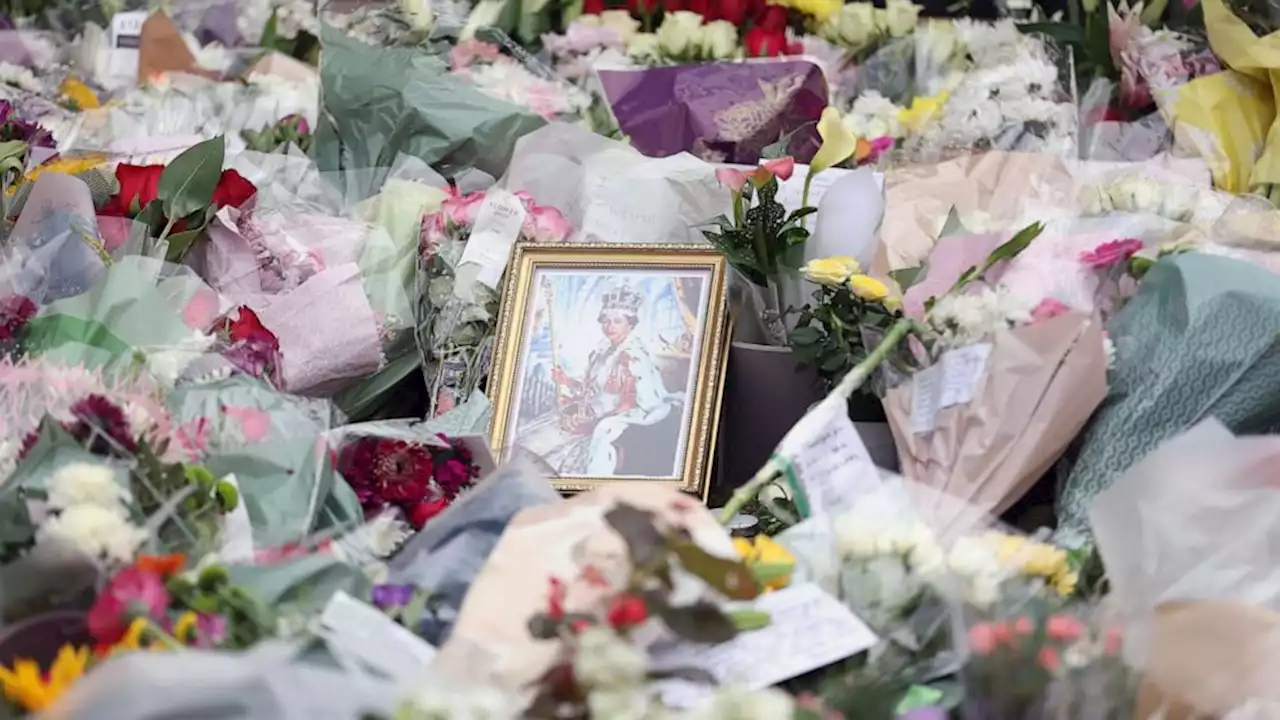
column 608, row 662
column 86, row 484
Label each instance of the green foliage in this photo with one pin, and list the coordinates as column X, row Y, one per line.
column 838, row 330
column 189, row 181
column 766, row 239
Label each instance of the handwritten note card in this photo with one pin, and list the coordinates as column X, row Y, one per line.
column 808, row 629
column 496, row 230
column 951, row 381
column 638, row 210
column 369, row 637
column 825, row 460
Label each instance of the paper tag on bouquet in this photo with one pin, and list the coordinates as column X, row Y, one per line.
column 825, row 461
column 951, row 381
column 496, row 230
column 363, row 633
column 626, row 204
column 125, row 39
column 808, row 629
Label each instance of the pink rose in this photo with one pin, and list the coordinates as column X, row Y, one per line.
column 462, row 210
column 1048, row 309
column 1110, row 254
column 546, row 224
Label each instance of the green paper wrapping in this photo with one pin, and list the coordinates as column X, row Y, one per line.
column 1200, row 339
column 380, row 102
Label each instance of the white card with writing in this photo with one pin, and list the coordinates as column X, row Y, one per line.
column 635, row 209
column 808, row 629
column 375, row 640
column 791, row 191
column 951, row 381
column 126, row 37
column 496, row 230
column 825, row 460
column 237, row 530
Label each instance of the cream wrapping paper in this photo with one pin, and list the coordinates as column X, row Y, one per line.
column 1039, row 387
column 491, row 639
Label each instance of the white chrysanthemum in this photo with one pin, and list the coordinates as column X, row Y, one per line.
column 99, row 532
column 19, row 77
column 1109, row 348
column 86, row 484
column 606, row 661
column 731, row 703
column 874, row 116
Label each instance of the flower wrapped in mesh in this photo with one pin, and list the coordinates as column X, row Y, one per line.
column 456, row 312
column 420, row 478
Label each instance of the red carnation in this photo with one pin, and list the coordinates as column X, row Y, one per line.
column 15, row 312
column 102, row 424
column 386, row 472
column 422, row 512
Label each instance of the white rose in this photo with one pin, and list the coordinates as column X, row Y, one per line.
column 1095, row 200
column 606, row 661
column 731, row 703
column 900, row 17
column 679, row 33
column 853, row 27
column 420, row 15
column 1179, row 202
column 644, row 46
column 621, row 23
column 719, row 40
column 1137, row 195
column 486, row 14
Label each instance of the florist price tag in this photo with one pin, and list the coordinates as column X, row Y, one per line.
column 373, row 639
column 126, row 38
column 808, row 629
column 497, row 228
column 951, row 381
column 825, row 461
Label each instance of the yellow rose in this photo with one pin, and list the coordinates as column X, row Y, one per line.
column 772, row 561
column 892, row 303
column 868, row 288
column 830, row 271
column 819, row 10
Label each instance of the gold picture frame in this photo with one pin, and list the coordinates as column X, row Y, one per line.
column 581, row 413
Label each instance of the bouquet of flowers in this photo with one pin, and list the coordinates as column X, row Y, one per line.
column 457, row 308
column 391, row 471
column 503, row 77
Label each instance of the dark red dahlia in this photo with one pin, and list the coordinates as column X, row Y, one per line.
column 386, row 472
column 103, row 425
column 15, row 312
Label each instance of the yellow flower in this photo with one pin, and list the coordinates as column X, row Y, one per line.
column 772, row 562
column 834, row 270
column 36, row 691
column 79, row 94
column 72, row 165
column 892, row 303
column 922, row 111
column 868, row 288
column 819, row 10
column 838, row 143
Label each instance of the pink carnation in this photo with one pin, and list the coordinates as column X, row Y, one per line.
column 468, row 51
column 1110, row 254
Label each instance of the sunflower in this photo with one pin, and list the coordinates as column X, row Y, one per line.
column 36, row 691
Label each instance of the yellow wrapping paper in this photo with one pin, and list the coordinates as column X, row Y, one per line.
column 1230, row 117
column 1039, row 387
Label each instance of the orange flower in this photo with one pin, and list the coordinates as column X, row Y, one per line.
column 163, row 565
column 863, row 150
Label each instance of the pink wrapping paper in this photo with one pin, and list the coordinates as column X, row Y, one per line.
column 1041, row 383
column 327, row 329
column 949, row 259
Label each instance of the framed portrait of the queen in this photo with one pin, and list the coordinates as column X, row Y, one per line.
column 609, row 363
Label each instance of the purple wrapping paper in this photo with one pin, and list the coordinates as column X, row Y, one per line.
column 720, row 112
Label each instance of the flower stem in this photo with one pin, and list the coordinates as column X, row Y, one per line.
column 162, row 637
column 804, row 196
column 845, row 388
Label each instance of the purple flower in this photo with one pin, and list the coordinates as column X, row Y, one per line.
column 390, row 597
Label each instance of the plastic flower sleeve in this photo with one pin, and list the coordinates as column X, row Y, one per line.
column 503, row 70
column 1196, row 341
column 53, row 251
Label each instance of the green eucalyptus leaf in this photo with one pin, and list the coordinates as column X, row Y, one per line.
column 188, row 182
column 270, row 35
column 701, row 622
column 805, row 335
column 180, row 243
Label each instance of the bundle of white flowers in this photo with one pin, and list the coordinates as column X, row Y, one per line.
column 684, row 37
column 968, row 318
column 89, row 511
column 1134, row 193
column 874, row 116
column 859, row 26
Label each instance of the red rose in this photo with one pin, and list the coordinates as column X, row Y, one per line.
column 424, row 511
column 233, row 190
column 761, row 42
column 246, row 326
column 627, row 611
column 773, row 18
column 593, row 7
column 674, row 5
column 642, row 7
column 702, row 7
column 735, row 11
column 137, row 182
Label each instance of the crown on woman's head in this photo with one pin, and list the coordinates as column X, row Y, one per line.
column 622, row 298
